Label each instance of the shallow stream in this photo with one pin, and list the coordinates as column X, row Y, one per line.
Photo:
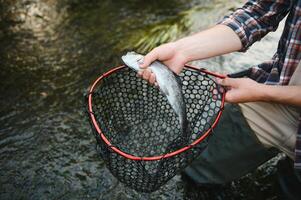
column 50, row 51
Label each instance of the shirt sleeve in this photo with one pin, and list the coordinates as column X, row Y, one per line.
column 256, row 18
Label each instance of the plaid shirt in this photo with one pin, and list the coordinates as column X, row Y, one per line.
column 252, row 22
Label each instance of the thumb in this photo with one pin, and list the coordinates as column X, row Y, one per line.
column 227, row 82
column 149, row 58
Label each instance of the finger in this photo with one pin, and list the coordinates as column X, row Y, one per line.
column 228, row 82
column 221, row 89
column 149, row 58
column 230, row 97
column 146, row 74
column 140, row 73
column 152, row 79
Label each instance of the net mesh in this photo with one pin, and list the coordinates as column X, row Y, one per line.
column 138, row 120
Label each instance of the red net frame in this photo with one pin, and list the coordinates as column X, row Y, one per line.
column 158, row 157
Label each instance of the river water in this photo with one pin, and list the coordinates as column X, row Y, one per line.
column 50, row 51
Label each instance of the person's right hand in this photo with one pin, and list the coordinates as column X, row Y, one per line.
column 167, row 53
column 215, row 41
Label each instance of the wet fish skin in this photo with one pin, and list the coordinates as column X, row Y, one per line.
column 168, row 82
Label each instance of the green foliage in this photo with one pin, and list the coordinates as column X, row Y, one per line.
column 186, row 22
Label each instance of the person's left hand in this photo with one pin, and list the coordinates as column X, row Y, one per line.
column 240, row 90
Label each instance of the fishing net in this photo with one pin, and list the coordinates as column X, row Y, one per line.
column 138, row 133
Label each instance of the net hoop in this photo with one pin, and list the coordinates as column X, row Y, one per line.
column 152, row 158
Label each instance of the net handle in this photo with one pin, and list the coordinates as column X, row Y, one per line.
column 131, row 157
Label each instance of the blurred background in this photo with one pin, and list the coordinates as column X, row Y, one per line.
column 52, row 50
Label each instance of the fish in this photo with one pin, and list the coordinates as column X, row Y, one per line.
column 168, row 82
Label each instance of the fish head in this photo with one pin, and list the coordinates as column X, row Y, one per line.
column 132, row 60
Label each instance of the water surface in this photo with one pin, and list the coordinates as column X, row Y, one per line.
column 50, row 51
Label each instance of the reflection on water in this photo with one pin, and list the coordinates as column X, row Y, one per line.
column 50, row 51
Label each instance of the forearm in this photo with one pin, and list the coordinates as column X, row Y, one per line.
column 290, row 95
column 215, row 41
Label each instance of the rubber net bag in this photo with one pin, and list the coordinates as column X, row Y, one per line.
column 138, row 133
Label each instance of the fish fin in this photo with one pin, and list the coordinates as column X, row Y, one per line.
column 178, row 79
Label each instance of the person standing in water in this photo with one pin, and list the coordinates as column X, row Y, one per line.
column 263, row 110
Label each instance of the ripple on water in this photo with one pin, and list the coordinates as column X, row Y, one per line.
column 50, row 51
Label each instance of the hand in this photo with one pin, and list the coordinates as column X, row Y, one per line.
column 240, row 90
column 169, row 54
column 215, row 41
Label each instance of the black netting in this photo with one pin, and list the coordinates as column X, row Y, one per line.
column 137, row 119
